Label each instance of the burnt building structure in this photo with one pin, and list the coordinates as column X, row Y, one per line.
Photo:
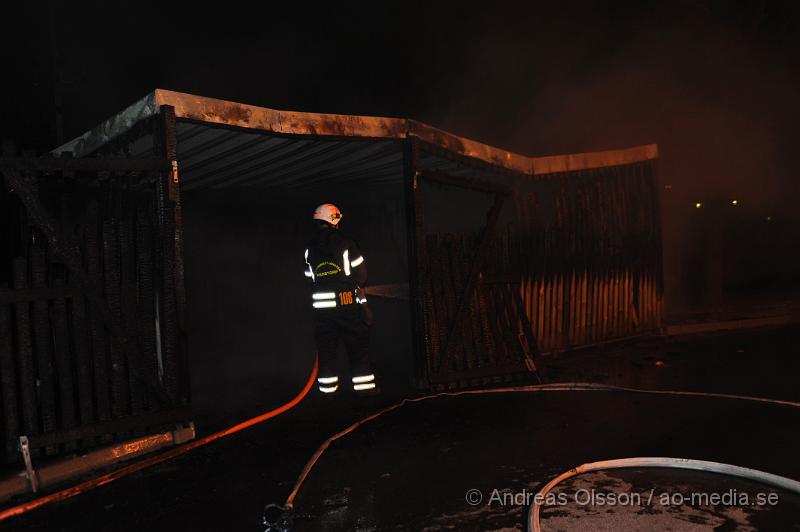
column 164, row 247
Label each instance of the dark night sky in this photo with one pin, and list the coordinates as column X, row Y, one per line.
column 713, row 82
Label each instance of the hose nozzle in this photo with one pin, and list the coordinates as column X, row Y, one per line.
column 277, row 518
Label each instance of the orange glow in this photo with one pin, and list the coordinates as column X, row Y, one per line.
column 153, row 460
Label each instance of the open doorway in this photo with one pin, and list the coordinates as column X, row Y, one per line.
column 249, row 318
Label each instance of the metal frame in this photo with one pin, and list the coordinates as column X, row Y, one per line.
column 159, row 110
column 416, row 260
column 221, row 112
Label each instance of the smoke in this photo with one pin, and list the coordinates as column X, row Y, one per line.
column 712, row 82
column 715, row 89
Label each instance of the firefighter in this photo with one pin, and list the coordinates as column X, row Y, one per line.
column 336, row 272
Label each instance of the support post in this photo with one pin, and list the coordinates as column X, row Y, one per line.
column 172, row 286
column 416, row 259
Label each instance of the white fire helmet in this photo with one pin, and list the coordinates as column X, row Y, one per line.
column 328, row 212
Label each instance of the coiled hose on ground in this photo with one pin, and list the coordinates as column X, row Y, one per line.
column 533, row 524
column 659, row 461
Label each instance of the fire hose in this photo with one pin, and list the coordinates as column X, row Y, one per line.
column 280, row 518
column 659, row 461
column 284, row 516
column 157, row 459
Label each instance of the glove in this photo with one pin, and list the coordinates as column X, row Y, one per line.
column 366, row 314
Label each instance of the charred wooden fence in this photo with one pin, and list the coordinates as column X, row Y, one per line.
column 91, row 332
column 592, row 270
column 577, row 262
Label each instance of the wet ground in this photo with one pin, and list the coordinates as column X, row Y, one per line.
column 413, row 468
column 420, row 465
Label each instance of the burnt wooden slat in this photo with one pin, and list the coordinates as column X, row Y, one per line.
column 630, row 311
column 610, row 308
column 8, row 382
column 651, row 302
column 505, row 325
column 596, row 308
column 449, row 296
column 540, row 284
column 583, row 303
column 489, row 343
column 560, row 307
column 146, row 288
column 463, row 356
column 111, row 278
column 64, row 366
column 615, row 286
column 620, row 312
column 557, row 309
column 622, row 321
column 575, row 309
column 129, row 304
column 645, row 303
column 476, row 353
column 430, row 297
column 42, row 344
column 547, row 315
column 431, row 325
column 540, row 314
column 97, row 330
column 606, row 305
column 437, row 315
column 457, row 329
column 25, row 361
column 512, row 325
column 550, row 311
column 495, row 327
column 531, row 347
column 496, row 319
column 567, row 294
column 83, row 361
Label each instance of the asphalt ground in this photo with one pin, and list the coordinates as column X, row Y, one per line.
column 412, row 469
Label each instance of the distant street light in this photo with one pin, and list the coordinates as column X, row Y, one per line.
column 698, row 205
column 734, row 202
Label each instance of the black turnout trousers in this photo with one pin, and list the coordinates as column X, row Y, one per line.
column 348, row 324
